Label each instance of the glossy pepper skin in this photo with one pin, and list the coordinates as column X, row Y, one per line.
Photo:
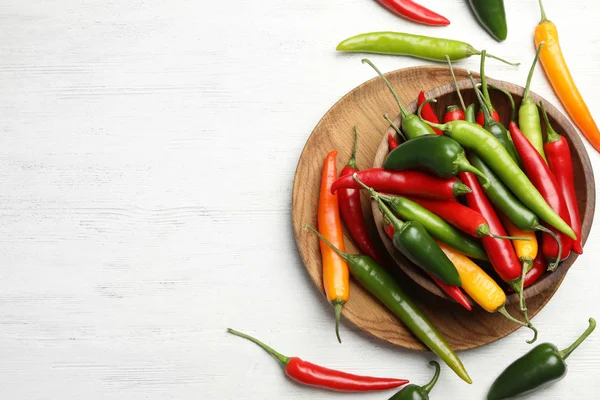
column 415, row 392
column 492, row 17
column 314, row 375
column 529, row 116
column 540, row 265
column 540, row 367
column 428, row 112
column 439, row 155
column 415, row 12
column 384, row 287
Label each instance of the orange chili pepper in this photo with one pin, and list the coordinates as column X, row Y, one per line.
column 558, row 74
column 335, row 269
column 526, row 249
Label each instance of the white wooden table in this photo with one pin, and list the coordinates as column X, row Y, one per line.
column 147, row 151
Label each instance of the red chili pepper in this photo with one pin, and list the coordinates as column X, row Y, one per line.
column 559, row 159
column 453, row 291
column 314, row 375
column 481, row 118
column 412, row 183
column 415, row 12
column 392, row 143
column 537, row 270
column 427, row 112
column 351, row 210
column 500, row 252
column 454, row 113
column 542, row 178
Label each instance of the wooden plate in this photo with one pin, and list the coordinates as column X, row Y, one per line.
column 364, row 107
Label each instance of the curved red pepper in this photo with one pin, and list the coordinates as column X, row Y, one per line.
column 542, row 178
column 415, row 12
column 392, row 143
column 537, row 270
column 427, row 112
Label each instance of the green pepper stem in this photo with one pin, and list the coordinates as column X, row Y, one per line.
column 499, row 59
column 280, row 357
column 523, row 303
column 463, row 165
column 460, row 98
column 327, row 242
column 510, row 99
column 507, row 237
column 551, row 134
column 484, row 107
column 567, row 352
column 389, row 85
column 393, row 125
column 552, row 266
column 352, row 162
column 505, row 314
column 526, row 95
column 338, row 304
column 484, row 87
column 441, row 127
column 544, row 18
column 427, row 388
column 396, row 222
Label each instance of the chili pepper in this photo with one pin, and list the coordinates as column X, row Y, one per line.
column 412, row 126
column 413, row 183
column 529, row 117
column 335, row 269
column 491, row 16
column 325, row 378
column 526, row 249
column 546, row 183
column 560, row 78
column 428, row 112
column 561, row 164
column 415, row 12
column 453, row 291
column 492, row 152
column 470, row 114
column 405, row 44
column 351, row 209
column 414, row 392
column 537, row 270
column 392, row 144
column 434, row 225
column 398, row 131
column 440, row 155
column 453, row 112
column 384, row 287
column 487, row 102
column 415, row 243
column 540, row 367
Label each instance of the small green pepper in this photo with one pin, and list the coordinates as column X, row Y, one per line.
column 492, row 16
column 414, row 392
column 440, row 155
column 542, row 366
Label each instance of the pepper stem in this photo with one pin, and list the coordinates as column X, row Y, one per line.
column 338, row 304
column 396, row 223
column 504, row 313
column 352, row 162
column 499, row 59
column 463, row 165
column 402, row 109
column 524, row 239
column 393, row 125
column 544, row 18
column 526, row 95
column 510, row 99
column 280, row 357
column 551, row 134
column 482, row 103
column 327, row 242
column 484, row 87
column 523, row 303
column 441, row 127
column 460, row 98
column 552, row 266
column 567, row 352
column 427, row 388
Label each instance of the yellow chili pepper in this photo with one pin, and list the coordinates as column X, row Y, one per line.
column 558, row 74
column 526, row 249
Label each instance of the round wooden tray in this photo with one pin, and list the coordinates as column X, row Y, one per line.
column 363, row 107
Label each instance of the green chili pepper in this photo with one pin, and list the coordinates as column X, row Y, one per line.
column 404, row 44
column 414, row 392
column 542, row 366
column 439, row 155
column 492, row 152
column 529, row 115
column 383, row 286
column 470, row 113
column 491, row 16
column 412, row 125
column 438, row 228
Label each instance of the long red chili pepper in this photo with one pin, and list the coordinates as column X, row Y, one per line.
column 453, row 291
column 351, row 210
column 315, row 375
column 559, row 159
column 427, row 112
column 392, row 143
column 543, row 179
column 415, row 12
column 412, row 183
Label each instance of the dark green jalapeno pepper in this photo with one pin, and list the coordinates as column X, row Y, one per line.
column 381, row 284
column 439, row 155
column 491, row 16
column 438, row 228
column 542, row 366
column 414, row 392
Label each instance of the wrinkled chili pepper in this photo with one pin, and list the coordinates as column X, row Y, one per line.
column 335, row 269
column 453, row 291
column 529, row 116
column 492, row 152
column 405, row 44
column 415, row 392
column 412, row 183
column 540, row 367
column 428, row 112
column 491, row 16
column 560, row 78
column 415, row 12
column 546, row 183
column 314, row 375
column 384, row 287
column 351, row 209
column 561, row 164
